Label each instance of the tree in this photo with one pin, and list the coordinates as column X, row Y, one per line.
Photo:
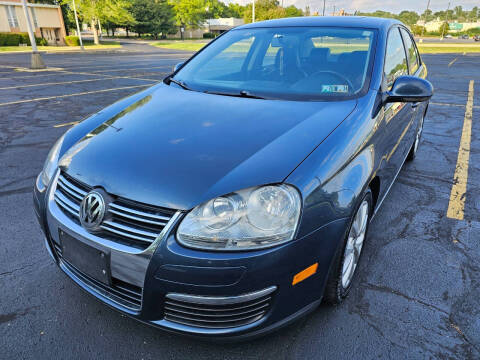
column 94, row 11
column 473, row 14
column 444, row 28
column 189, row 13
column 417, row 29
column 427, row 15
column 235, row 10
column 292, row 11
column 154, row 17
column 408, row 17
column 269, row 9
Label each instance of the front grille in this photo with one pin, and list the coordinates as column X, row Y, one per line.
column 126, row 221
column 121, row 292
column 218, row 312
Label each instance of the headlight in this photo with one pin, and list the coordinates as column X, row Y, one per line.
column 51, row 162
column 248, row 219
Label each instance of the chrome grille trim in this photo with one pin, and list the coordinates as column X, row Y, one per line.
column 127, row 222
column 67, row 204
column 221, row 300
column 217, row 312
column 71, row 189
column 129, row 232
column 121, row 210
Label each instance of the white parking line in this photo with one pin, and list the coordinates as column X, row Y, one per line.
column 452, row 62
column 71, row 95
column 74, row 82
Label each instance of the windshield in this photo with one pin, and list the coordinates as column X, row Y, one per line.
column 294, row 63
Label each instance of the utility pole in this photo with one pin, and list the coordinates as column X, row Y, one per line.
column 37, row 61
column 446, row 20
column 323, row 12
column 253, row 12
column 78, row 27
column 426, row 14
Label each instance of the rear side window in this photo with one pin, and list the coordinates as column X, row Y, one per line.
column 395, row 60
column 413, row 61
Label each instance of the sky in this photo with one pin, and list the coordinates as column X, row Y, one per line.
column 394, row 6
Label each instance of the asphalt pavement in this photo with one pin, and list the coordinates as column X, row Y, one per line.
column 417, row 295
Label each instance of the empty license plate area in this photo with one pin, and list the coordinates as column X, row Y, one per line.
column 85, row 258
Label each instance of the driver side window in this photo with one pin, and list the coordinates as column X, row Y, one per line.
column 395, row 59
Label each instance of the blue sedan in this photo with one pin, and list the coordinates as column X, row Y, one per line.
column 235, row 196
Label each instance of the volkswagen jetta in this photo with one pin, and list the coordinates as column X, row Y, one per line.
column 234, row 196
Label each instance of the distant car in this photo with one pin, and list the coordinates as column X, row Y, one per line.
column 476, row 38
column 448, row 36
column 463, row 36
column 231, row 198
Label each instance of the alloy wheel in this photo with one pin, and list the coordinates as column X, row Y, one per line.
column 354, row 244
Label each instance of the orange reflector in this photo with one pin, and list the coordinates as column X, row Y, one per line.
column 302, row 275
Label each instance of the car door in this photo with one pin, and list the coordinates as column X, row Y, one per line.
column 398, row 116
column 415, row 68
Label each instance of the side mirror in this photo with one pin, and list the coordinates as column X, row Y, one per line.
column 409, row 89
column 178, row 66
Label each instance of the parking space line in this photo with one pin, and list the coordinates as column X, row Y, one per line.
column 449, row 104
column 458, row 194
column 452, row 62
column 66, row 124
column 71, row 95
column 73, row 82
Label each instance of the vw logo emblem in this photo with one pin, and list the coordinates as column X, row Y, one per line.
column 92, row 210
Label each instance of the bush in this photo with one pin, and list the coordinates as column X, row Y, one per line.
column 72, row 40
column 15, row 39
column 208, row 35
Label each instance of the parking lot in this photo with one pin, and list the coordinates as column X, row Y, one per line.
column 418, row 293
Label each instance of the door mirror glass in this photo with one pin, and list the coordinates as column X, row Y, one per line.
column 409, row 89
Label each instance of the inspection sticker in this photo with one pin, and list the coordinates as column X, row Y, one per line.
column 334, row 88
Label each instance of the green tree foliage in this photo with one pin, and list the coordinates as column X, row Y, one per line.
column 96, row 11
column 189, row 13
column 154, row 17
column 417, row 29
column 444, row 28
column 269, row 9
column 408, row 17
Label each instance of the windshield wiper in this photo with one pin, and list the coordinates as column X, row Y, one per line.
column 179, row 83
column 242, row 93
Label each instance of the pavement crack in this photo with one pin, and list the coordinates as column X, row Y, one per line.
column 5, row 318
column 388, row 290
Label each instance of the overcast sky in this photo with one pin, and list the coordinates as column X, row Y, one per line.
column 371, row 5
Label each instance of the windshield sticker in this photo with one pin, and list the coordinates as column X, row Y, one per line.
column 334, row 88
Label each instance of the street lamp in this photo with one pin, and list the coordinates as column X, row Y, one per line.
column 78, row 27
column 37, row 61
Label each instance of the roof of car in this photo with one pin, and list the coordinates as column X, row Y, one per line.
column 341, row 21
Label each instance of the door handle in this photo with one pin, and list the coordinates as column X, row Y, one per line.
column 415, row 104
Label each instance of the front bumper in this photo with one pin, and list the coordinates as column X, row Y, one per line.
column 168, row 268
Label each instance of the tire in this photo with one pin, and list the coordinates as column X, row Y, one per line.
column 338, row 283
column 418, row 137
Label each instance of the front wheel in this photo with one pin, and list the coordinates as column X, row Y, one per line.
column 346, row 260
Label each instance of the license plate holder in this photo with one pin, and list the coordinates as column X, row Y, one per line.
column 89, row 260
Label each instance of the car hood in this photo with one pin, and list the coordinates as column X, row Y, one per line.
column 176, row 148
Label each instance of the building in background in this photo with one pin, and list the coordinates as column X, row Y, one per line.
column 435, row 25
column 47, row 20
column 215, row 26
